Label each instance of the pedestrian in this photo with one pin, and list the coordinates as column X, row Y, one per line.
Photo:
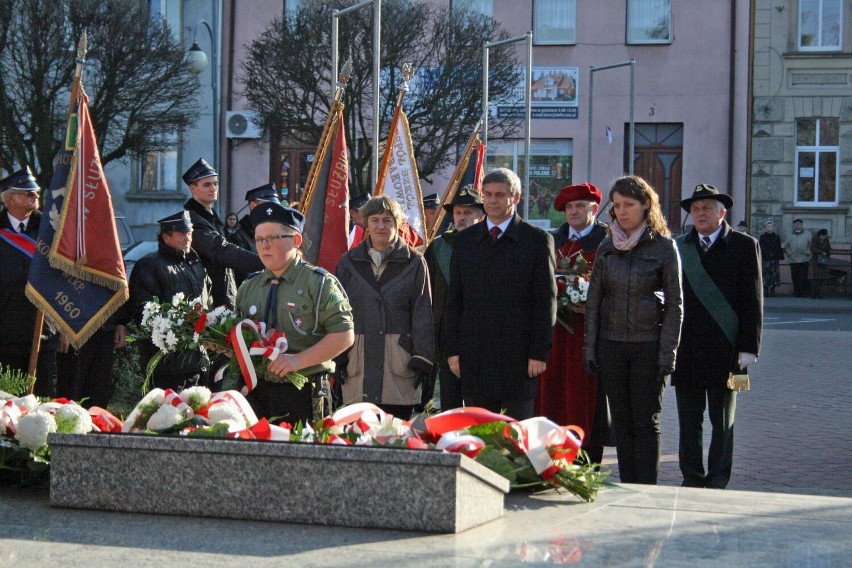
column 388, row 286
column 431, row 203
column 308, row 305
column 235, row 233
column 501, row 305
column 466, row 210
column 568, row 394
column 19, row 225
column 634, row 312
column 722, row 327
column 174, row 268
column 262, row 194
column 818, row 269
column 798, row 251
column 742, row 227
column 771, row 254
column 219, row 257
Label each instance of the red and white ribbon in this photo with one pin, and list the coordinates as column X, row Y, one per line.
column 460, row 443
column 271, row 345
column 233, row 397
column 9, row 414
column 538, row 435
column 171, row 398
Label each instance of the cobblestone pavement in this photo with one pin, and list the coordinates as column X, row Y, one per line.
column 794, row 428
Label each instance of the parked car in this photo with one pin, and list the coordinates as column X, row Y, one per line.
column 125, row 234
column 137, row 251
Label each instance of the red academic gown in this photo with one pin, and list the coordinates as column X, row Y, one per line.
column 567, row 394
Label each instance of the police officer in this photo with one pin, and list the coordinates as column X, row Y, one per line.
column 303, row 301
column 175, row 267
column 220, row 257
column 261, row 194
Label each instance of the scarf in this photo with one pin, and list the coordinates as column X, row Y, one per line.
column 621, row 240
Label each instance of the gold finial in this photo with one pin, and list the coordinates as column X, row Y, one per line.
column 82, row 46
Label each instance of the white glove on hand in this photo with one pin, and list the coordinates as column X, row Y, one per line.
column 747, row 359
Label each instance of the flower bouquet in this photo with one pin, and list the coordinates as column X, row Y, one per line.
column 572, row 287
column 181, row 325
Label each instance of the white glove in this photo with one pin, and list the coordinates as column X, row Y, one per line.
column 747, row 359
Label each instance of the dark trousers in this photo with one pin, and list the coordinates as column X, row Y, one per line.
column 17, row 358
column 87, row 373
column 451, row 394
column 629, row 375
column 517, row 409
column 690, row 411
column 799, row 273
column 282, row 402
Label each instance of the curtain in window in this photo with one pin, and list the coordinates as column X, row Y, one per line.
column 555, row 21
column 649, row 20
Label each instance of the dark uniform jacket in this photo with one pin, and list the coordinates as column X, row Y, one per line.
column 17, row 313
column 705, row 357
column 219, row 257
column 501, row 308
column 246, row 225
column 163, row 274
column 438, row 256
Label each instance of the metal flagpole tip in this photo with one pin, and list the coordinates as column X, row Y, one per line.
column 345, row 73
column 82, row 46
column 407, row 74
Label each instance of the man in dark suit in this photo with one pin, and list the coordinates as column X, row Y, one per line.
column 19, row 225
column 501, row 303
column 219, row 257
column 722, row 325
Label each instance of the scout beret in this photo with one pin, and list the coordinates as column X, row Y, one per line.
column 272, row 212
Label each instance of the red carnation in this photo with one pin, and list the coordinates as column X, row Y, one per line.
column 200, row 323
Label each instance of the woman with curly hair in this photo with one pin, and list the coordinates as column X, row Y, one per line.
column 634, row 312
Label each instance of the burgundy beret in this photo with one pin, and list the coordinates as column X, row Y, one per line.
column 580, row 192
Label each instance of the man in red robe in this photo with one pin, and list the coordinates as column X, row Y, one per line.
column 567, row 394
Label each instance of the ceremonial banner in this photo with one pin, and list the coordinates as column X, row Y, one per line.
column 75, row 307
column 475, row 170
column 469, row 172
column 86, row 243
column 326, row 205
column 402, row 182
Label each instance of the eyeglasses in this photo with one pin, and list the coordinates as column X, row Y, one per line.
column 269, row 240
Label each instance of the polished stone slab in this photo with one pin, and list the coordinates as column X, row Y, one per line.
column 629, row 525
column 352, row 486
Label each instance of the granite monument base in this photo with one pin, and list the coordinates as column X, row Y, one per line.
column 352, row 486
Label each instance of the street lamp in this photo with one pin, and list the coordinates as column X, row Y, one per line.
column 196, row 61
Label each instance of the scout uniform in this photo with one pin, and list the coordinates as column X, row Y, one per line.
column 308, row 304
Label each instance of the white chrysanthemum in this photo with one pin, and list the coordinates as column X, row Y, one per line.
column 196, row 397
column 28, row 403
column 178, row 298
column 151, row 309
column 34, row 428
column 167, row 416
column 225, row 411
column 153, row 396
column 195, row 337
column 171, row 339
column 217, row 315
column 73, row 419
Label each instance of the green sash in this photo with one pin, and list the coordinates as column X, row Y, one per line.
column 706, row 290
column 443, row 254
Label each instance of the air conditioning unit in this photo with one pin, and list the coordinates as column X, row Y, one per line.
column 242, row 124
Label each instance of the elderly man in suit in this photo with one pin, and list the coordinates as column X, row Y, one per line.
column 722, row 325
column 501, row 303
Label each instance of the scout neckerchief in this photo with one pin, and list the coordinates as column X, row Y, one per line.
column 19, row 241
column 706, row 290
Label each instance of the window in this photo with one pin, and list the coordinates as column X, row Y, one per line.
column 820, row 25
column 169, row 12
column 484, row 7
column 555, row 21
column 292, row 7
column 158, row 171
column 552, row 166
column 817, row 157
column 649, row 21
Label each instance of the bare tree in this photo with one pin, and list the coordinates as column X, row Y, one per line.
column 287, row 78
column 140, row 93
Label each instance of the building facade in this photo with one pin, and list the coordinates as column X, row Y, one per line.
column 801, row 121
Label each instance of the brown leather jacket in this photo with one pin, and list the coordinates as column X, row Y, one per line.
column 635, row 296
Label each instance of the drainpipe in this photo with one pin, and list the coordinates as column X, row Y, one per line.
column 229, row 160
column 750, row 103
column 732, row 69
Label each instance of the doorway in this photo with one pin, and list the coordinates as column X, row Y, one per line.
column 659, row 159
